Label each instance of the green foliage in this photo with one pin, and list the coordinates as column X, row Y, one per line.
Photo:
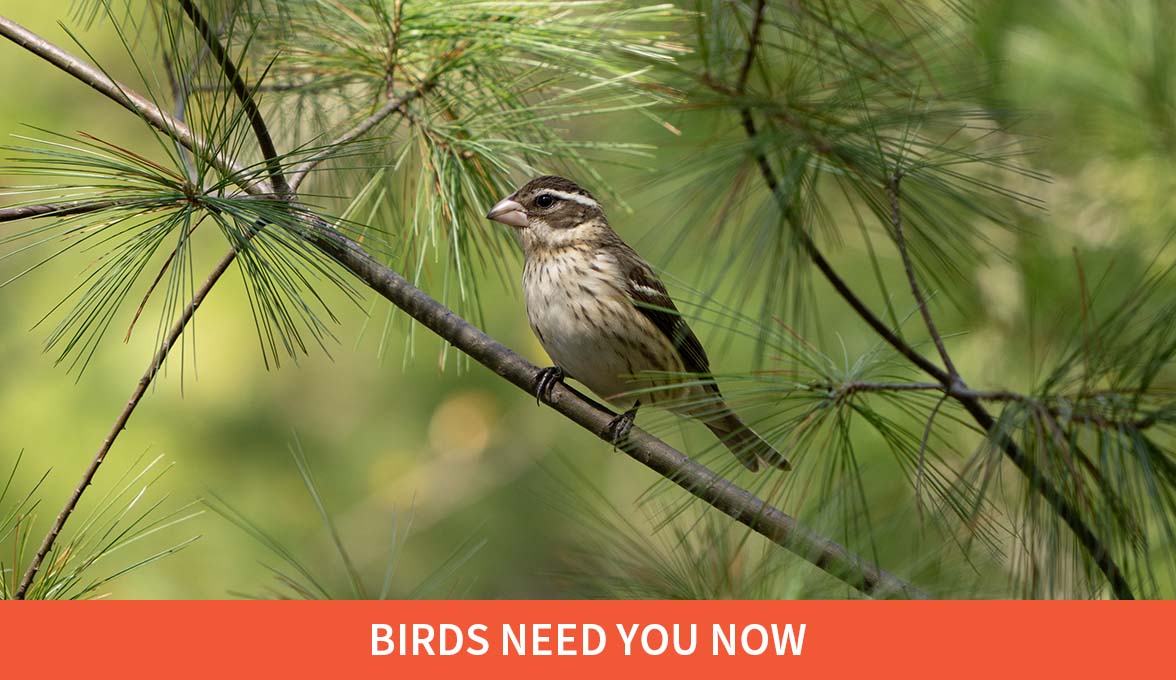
column 130, row 210
column 882, row 116
column 498, row 81
column 486, row 80
column 91, row 555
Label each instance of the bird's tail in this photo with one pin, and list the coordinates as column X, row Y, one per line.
column 747, row 446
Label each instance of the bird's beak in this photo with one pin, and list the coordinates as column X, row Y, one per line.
column 509, row 212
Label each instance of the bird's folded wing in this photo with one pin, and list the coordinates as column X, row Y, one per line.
column 650, row 298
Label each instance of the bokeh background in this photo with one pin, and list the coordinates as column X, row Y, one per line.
column 419, row 458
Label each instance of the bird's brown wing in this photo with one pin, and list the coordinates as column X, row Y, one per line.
column 650, row 298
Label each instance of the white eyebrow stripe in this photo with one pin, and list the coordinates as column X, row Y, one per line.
column 568, row 196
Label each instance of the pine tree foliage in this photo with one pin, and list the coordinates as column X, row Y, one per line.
column 867, row 127
column 864, row 123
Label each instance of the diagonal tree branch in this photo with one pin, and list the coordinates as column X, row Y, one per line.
column 134, row 102
column 655, row 454
column 1086, row 537
column 700, row 481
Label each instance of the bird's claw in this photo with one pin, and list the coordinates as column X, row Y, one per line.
column 619, row 427
column 547, row 379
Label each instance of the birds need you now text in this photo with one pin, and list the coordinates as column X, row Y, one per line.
column 587, row 639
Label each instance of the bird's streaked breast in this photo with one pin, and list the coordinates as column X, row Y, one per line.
column 577, row 307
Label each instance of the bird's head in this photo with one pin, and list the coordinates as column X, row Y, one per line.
column 550, row 212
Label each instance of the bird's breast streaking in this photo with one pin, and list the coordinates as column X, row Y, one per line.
column 579, row 308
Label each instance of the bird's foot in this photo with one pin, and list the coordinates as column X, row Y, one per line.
column 619, row 427
column 547, row 379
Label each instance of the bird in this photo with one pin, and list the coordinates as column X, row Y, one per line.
column 606, row 319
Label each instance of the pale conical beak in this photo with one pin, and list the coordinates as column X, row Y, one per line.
column 509, row 212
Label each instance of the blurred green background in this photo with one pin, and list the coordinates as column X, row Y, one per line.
column 391, row 434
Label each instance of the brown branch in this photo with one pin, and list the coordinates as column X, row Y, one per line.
column 63, row 209
column 1083, row 533
column 121, row 95
column 753, row 41
column 672, row 464
column 736, row 502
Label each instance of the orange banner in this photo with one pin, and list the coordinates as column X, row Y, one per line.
column 585, row 639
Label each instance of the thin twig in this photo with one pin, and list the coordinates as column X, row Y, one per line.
column 244, row 94
column 1082, row 531
column 119, row 423
column 753, row 41
column 278, row 182
column 1053, row 405
column 738, row 503
column 894, row 191
column 299, row 175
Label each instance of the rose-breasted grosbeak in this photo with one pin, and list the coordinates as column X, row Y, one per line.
column 606, row 319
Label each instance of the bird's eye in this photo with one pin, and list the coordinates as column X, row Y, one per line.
column 545, row 200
